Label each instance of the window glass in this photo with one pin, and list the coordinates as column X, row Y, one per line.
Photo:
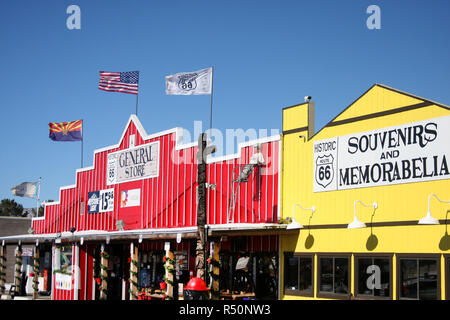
column 428, row 279
column 448, row 279
column 326, row 274
column 291, row 273
column 374, row 277
column 305, row 273
column 66, row 259
column 385, row 281
column 363, row 276
column 341, row 275
column 408, row 278
column 419, row 279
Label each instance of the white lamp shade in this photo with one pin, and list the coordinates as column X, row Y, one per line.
column 428, row 219
column 355, row 224
column 294, row 225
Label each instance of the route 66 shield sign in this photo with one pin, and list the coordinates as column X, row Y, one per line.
column 324, row 170
column 187, row 81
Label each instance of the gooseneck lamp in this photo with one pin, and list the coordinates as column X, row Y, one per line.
column 356, row 223
column 294, row 224
column 429, row 219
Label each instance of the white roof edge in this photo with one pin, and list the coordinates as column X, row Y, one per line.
column 101, row 233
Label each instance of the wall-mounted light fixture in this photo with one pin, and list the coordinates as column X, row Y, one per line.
column 428, row 219
column 294, row 224
column 356, row 223
column 140, row 238
column 120, row 225
column 108, row 239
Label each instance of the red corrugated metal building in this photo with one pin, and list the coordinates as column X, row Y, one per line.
column 142, row 192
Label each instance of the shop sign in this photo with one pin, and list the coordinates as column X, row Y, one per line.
column 63, row 281
column 413, row 152
column 180, row 262
column 130, row 198
column 133, row 164
column 101, row 201
column 27, row 252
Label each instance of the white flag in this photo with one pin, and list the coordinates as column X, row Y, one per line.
column 187, row 83
column 26, row 189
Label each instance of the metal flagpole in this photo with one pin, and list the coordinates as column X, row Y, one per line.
column 137, row 95
column 37, row 198
column 82, row 138
column 210, row 111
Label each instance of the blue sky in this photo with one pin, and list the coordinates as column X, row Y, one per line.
column 266, row 55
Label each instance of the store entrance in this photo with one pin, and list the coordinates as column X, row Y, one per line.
column 117, row 271
column 249, row 272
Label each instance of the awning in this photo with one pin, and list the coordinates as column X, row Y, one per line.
column 230, row 229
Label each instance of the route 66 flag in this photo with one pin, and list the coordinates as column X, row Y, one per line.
column 25, row 189
column 187, row 83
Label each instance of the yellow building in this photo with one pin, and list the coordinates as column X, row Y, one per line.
column 369, row 194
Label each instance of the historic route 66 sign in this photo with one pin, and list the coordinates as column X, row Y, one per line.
column 324, row 170
column 325, row 165
column 187, row 81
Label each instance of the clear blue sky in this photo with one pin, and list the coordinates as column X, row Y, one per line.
column 266, row 55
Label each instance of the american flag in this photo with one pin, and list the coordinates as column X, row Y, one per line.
column 126, row 82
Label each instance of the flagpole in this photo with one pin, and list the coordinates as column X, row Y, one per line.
column 137, row 95
column 211, row 101
column 37, row 198
column 82, row 138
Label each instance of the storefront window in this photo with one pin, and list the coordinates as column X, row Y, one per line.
column 373, row 276
column 298, row 274
column 291, row 277
column 447, row 277
column 333, row 275
column 419, row 279
column 66, row 259
column 63, row 259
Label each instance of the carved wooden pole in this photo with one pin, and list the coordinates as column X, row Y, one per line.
column 134, row 255
column 201, row 207
column 18, row 271
column 2, row 268
column 36, row 273
column 104, row 273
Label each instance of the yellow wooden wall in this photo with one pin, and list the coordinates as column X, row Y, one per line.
column 402, row 202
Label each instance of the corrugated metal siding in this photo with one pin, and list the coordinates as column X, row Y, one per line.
column 168, row 200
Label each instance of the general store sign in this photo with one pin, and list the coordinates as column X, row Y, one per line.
column 413, row 152
column 133, row 164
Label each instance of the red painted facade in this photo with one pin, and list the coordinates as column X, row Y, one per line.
column 169, row 200
column 166, row 201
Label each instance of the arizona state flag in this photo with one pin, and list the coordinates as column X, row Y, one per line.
column 66, row 131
